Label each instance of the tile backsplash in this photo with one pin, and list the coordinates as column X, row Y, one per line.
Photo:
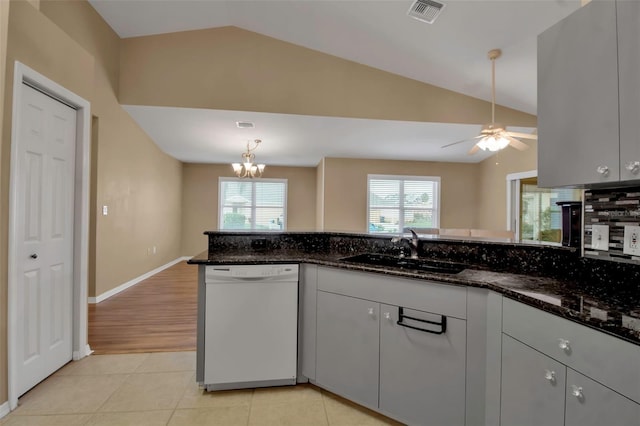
column 612, row 224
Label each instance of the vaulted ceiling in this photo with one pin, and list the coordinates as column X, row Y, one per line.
column 450, row 53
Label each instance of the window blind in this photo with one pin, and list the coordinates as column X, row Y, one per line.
column 258, row 205
column 398, row 202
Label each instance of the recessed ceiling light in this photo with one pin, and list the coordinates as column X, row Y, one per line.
column 244, row 125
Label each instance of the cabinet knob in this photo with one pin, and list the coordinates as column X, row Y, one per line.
column 370, row 312
column 34, row 256
column 564, row 345
column 387, row 316
column 633, row 167
column 577, row 391
column 603, row 170
column 550, row 375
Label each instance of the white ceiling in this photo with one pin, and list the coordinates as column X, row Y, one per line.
column 450, row 53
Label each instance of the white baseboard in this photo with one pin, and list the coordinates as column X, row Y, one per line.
column 122, row 287
column 77, row 355
column 4, row 409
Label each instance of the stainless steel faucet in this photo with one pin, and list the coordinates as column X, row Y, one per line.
column 413, row 243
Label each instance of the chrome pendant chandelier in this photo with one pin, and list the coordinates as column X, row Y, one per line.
column 248, row 168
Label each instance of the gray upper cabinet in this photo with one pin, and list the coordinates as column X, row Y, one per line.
column 629, row 75
column 578, row 133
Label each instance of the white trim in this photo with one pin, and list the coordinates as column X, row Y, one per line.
column 77, row 355
column 4, row 409
column 516, row 196
column 131, row 283
column 23, row 73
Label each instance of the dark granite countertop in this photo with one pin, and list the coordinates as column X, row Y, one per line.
column 614, row 311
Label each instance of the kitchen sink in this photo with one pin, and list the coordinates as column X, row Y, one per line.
column 423, row 265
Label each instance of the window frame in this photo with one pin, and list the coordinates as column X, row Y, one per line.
column 252, row 206
column 401, row 208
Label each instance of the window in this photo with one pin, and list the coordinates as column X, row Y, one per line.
column 398, row 202
column 535, row 216
column 252, row 205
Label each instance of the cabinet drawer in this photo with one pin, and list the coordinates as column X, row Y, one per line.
column 590, row 403
column 423, row 295
column 608, row 360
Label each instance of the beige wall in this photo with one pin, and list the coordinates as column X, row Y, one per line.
column 492, row 189
column 141, row 185
column 234, row 69
column 200, row 200
column 320, row 196
column 70, row 44
column 345, row 190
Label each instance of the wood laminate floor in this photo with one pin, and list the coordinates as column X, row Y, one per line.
column 155, row 315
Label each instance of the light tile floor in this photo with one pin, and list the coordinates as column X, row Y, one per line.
column 160, row 389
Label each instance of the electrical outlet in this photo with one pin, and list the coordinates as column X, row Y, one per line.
column 631, row 240
column 105, row 210
column 154, row 250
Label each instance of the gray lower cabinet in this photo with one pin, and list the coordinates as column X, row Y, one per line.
column 347, row 347
column 533, row 387
column 538, row 390
column 422, row 375
column 307, row 293
column 588, row 403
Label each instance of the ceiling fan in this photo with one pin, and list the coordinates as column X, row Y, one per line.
column 494, row 136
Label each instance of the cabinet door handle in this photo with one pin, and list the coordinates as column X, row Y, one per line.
column 370, row 312
column 442, row 323
column 387, row 316
column 565, row 345
column 633, row 167
column 577, row 392
column 603, row 170
column 550, row 375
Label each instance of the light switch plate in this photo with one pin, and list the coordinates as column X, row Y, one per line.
column 600, row 237
column 631, row 240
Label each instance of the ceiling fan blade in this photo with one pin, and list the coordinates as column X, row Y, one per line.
column 463, row 140
column 517, row 144
column 523, row 135
column 473, row 149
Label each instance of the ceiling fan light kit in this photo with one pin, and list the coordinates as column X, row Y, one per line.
column 494, row 136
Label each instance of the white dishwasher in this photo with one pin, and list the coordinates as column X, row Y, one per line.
column 251, row 326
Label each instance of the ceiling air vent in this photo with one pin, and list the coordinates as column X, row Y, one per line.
column 425, row 10
column 244, row 125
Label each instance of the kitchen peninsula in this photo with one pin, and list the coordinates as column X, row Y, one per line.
column 442, row 343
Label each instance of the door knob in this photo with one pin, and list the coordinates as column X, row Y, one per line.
column 34, row 256
column 603, row 170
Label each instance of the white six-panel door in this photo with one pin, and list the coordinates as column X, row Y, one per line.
column 46, row 164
